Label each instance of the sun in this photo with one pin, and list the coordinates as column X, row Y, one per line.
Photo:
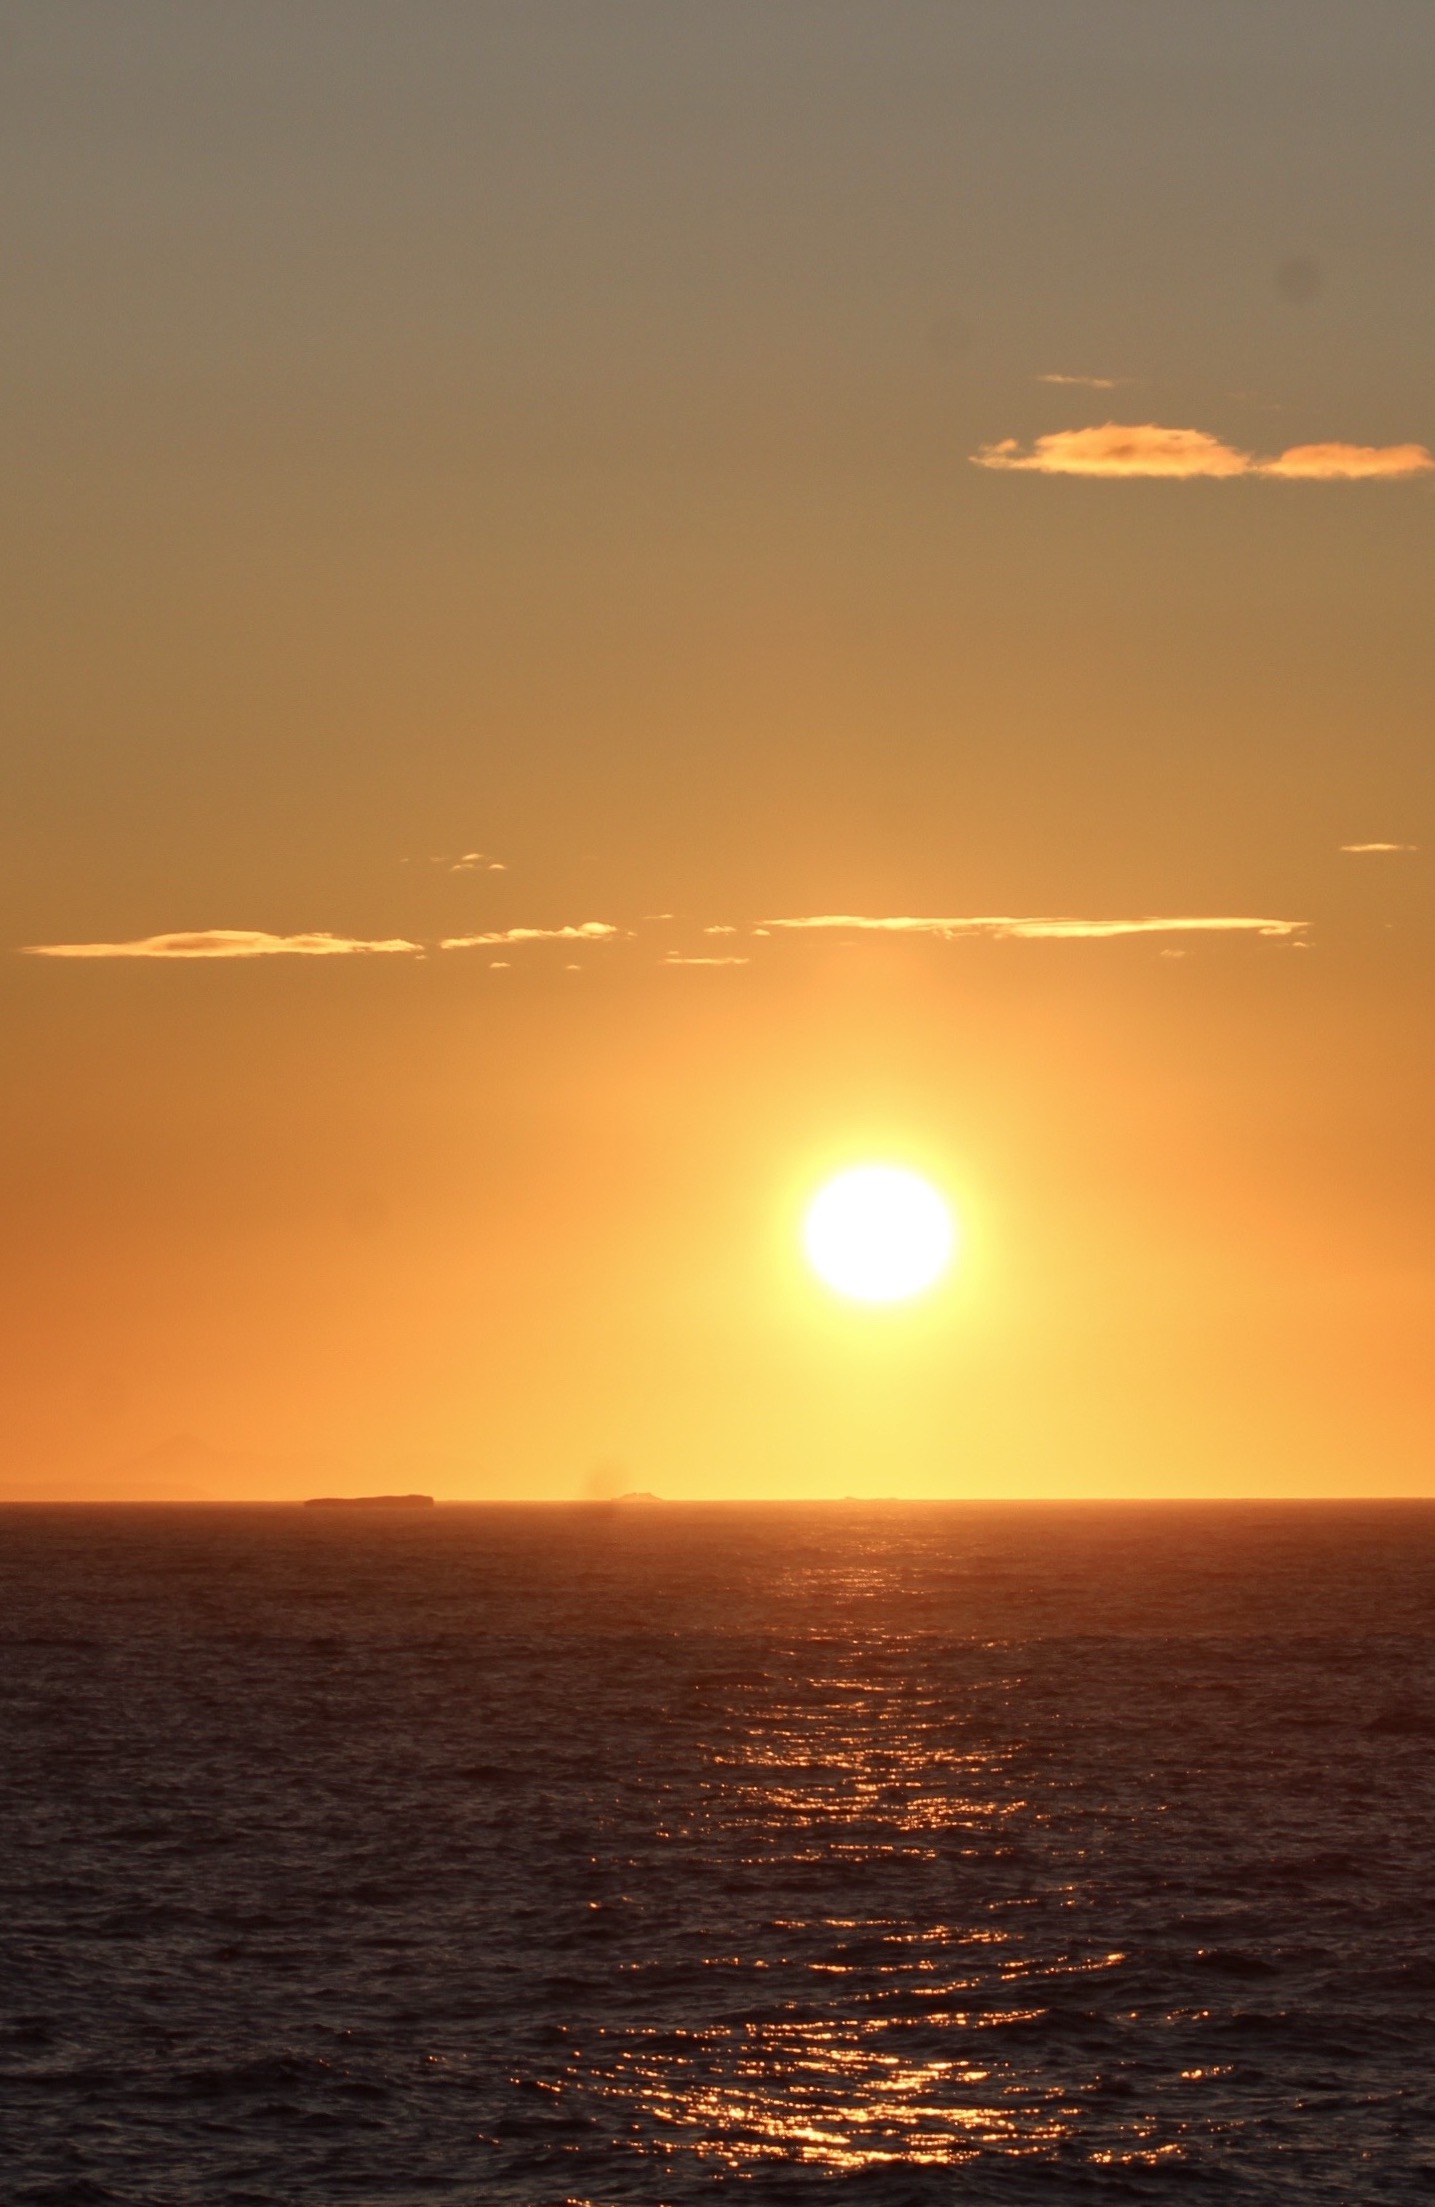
column 879, row 1234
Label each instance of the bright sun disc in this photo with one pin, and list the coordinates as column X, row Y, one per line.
column 878, row 1234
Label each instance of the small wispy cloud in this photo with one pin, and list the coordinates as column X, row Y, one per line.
column 1362, row 850
column 1124, row 450
column 675, row 958
column 229, row 942
column 590, row 931
column 1006, row 927
column 1088, row 382
column 720, row 930
column 466, row 862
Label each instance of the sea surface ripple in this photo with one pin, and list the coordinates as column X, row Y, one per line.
column 519, row 1857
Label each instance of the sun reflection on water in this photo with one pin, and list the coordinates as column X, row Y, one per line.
column 880, row 2034
column 821, row 2092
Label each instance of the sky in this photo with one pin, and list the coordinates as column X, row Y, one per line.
column 538, row 533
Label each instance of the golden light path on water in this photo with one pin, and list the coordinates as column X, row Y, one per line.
column 853, row 1771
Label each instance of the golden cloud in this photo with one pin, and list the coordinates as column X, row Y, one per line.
column 226, row 942
column 1348, row 463
column 1008, row 928
column 1359, row 850
column 590, row 931
column 230, row 942
column 1121, row 450
column 675, row 958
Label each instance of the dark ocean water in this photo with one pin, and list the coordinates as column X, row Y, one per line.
column 655, row 1854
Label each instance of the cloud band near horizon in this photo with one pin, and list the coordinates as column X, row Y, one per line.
column 1008, row 927
column 589, row 931
column 230, row 942
column 248, row 942
column 1125, row 450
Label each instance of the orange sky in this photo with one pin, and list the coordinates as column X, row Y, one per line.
column 481, row 475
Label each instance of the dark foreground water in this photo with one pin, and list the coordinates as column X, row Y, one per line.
column 651, row 1854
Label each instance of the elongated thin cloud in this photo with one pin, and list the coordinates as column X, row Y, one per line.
column 234, row 942
column 250, row 942
column 1007, row 928
column 1362, row 850
column 675, row 958
column 590, row 931
column 1123, row 450
column 228, row 942
column 1087, row 382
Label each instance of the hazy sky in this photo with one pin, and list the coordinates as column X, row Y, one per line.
column 474, row 468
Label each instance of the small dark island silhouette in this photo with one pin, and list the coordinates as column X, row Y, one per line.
column 370, row 1502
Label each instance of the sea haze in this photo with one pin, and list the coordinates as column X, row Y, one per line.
column 644, row 1853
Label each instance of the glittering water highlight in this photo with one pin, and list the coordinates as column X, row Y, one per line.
column 628, row 1855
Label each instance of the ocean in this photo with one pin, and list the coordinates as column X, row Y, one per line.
column 637, row 1853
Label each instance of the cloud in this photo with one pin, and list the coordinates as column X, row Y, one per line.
column 675, row 958
column 1348, row 463
column 1358, row 850
column 227, row 942
column 1088, row 382
column 246, row 942
column 1007, row 928
column 467, row 862
column 1120, row 450
column 230, row 942
column 591, row 931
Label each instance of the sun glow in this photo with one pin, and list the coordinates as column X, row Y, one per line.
column 879, row 1234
